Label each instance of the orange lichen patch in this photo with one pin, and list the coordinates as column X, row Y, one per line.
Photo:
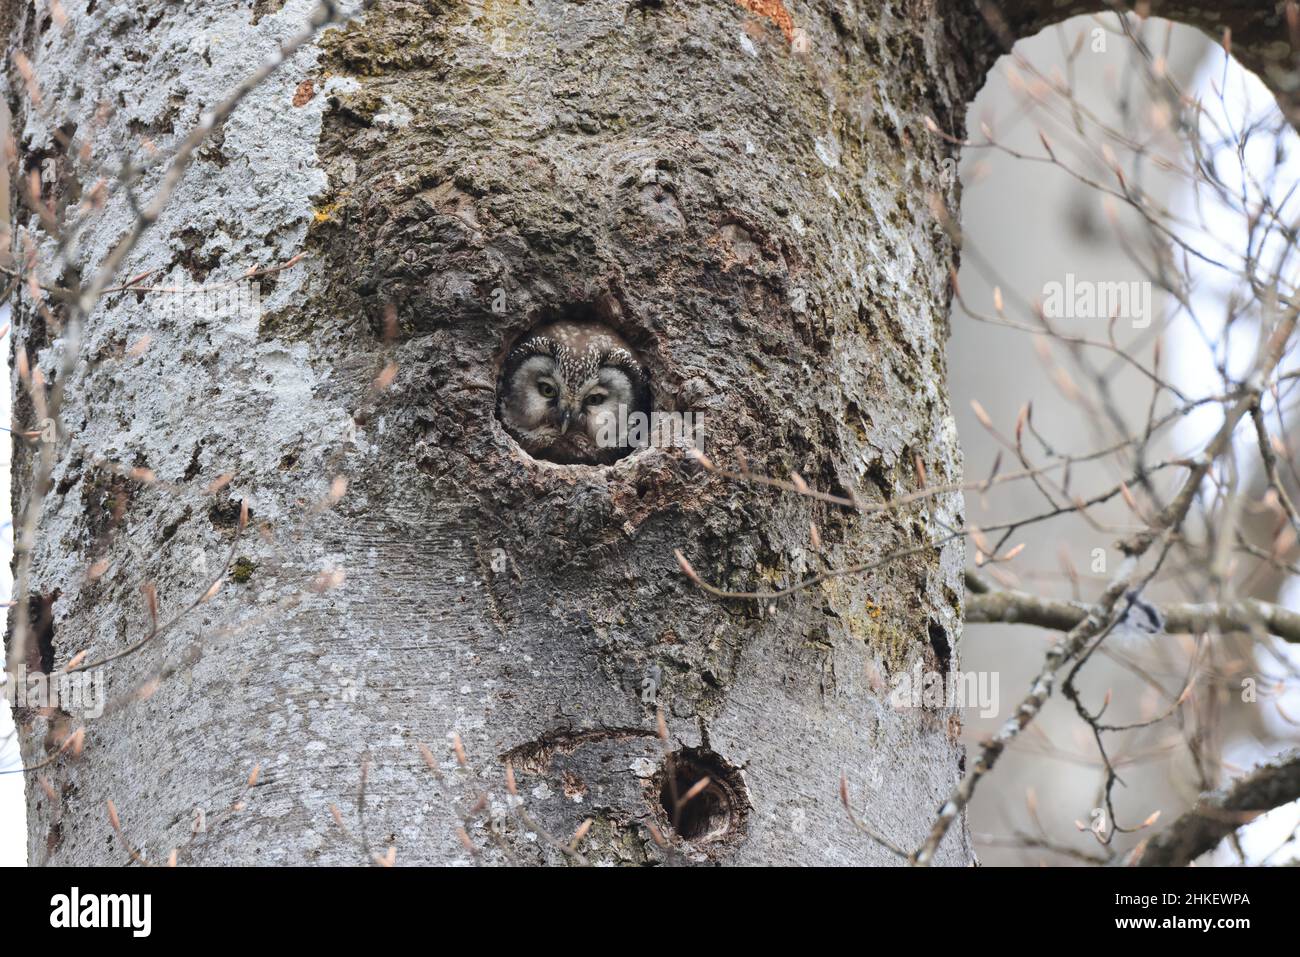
column 775, row 11
column 306, row 90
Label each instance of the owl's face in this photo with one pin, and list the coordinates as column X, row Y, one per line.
column 563, row 387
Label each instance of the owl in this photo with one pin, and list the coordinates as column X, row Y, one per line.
column 566, row 388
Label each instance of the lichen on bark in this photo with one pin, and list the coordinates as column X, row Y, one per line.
column 673, row 171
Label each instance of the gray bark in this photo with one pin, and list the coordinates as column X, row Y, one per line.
column 756, row 219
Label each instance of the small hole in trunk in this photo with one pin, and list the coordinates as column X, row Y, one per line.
column 702, row 798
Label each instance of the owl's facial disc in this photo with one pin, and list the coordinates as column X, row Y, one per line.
column 535, row 391
column 601, row 398
column 563, row 401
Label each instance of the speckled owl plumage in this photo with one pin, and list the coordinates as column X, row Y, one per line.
column 591, row 372
column 577, row 367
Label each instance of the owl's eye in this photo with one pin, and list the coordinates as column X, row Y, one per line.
column 546, row 389
column 596, row 398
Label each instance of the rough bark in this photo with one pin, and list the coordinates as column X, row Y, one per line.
column 753, row 215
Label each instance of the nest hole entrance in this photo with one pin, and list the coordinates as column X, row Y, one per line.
column 577, row 386
column 701, row 797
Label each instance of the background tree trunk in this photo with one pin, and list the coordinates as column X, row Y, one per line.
column 745, row 191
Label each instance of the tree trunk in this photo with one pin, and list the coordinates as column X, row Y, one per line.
column 746, row 193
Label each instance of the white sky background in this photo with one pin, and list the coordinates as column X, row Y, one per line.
column 1234, row 98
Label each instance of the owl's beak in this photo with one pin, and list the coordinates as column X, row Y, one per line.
column 566, row 416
